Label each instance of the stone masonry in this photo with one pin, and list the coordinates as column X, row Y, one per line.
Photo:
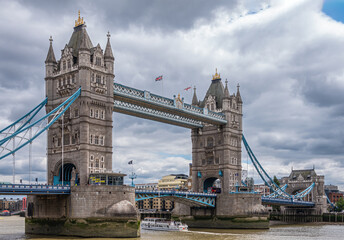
column 216, row 151
column 88, row 122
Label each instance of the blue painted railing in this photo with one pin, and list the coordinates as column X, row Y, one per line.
column 155, row 102
column 32, row 189
column 202, row 199
column 287, row 202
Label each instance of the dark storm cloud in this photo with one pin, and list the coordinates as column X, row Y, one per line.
column 167, row 15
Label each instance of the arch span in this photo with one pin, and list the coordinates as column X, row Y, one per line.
column 210, row 183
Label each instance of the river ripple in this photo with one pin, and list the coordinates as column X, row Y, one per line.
column 13, row 228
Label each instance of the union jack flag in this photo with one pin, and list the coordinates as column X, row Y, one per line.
column 186, row 89
column 158, row 78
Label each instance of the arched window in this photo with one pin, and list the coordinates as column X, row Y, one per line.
column 97, row 163
column 96, row 140
column 91, row 139
column 91, row 157
column 96, row 113
column 91, row 112
column 210, row 142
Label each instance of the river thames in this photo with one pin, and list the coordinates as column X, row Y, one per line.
column 13, row 228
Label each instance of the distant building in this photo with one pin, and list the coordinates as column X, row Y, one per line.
column 156, row 204
column 12, row 205
column 244, row 175
column 333, row 193
column 262, row 189
column 331, row 188
column 334, row 196
column 177, row 182
column 173, row 182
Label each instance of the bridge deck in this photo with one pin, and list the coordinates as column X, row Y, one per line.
column 286, row 202
column 188, row 198
column 32, row 189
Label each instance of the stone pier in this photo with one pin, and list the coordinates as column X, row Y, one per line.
column 233, row 211
column 89, row 211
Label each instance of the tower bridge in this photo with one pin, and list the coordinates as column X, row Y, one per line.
column 81, row 97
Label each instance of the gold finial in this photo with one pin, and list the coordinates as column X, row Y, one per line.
column 216, row 76
column 80, row 21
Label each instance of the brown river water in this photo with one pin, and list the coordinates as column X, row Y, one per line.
column 13, row 228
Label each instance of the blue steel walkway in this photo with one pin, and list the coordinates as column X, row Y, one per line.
column 188, row 198
column 286, row 202
column 26, row 189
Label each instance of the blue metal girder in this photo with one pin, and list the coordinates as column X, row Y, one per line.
column 52, row 116
column 202, row 199
column 286, row 202
column 32, row 189
column 137, row 97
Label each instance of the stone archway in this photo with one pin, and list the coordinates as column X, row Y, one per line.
column 210, row 183
column 67, row 173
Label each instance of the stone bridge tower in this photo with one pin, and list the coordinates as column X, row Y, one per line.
column 216, row 151
column 87, row 133
column 299, row 180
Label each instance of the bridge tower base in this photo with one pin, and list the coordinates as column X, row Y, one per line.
column 89, row 211
column 232, row 211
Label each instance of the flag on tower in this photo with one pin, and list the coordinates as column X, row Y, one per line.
column 130, row 162
column 186, row 89
column 158, row 78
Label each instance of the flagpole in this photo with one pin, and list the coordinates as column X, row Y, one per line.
column 162, row 86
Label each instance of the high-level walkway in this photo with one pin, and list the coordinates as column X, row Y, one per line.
column 144, row 104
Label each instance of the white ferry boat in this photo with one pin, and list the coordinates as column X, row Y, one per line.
column 161, row 224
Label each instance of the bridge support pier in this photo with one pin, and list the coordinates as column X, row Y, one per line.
column 89, row 211
column 232, row 211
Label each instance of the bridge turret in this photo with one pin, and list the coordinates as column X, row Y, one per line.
column 108, row 56
column 194, row 98
column 50, row 67
column 84, row 53
column 226, row 104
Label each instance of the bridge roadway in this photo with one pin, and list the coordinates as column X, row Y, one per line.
column 33, row 189
column 188, row 198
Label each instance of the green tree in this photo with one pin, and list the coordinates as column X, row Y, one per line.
column 340, row 205
column 276, row 181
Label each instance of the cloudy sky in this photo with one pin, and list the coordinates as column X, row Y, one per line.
column 287, row 57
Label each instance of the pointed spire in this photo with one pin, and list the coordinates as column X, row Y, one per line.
column 226, row 90
column 238, row 94
column 194, row 98
column 50, row 56
column 83, row 41
column 108, row 49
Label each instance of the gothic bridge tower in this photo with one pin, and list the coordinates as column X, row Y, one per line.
column 216, row 151
column 87, row 133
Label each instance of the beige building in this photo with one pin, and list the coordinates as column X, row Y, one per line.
column 169, row 182
column 174, row 182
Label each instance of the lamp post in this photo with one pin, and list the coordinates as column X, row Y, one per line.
column 132, row 176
